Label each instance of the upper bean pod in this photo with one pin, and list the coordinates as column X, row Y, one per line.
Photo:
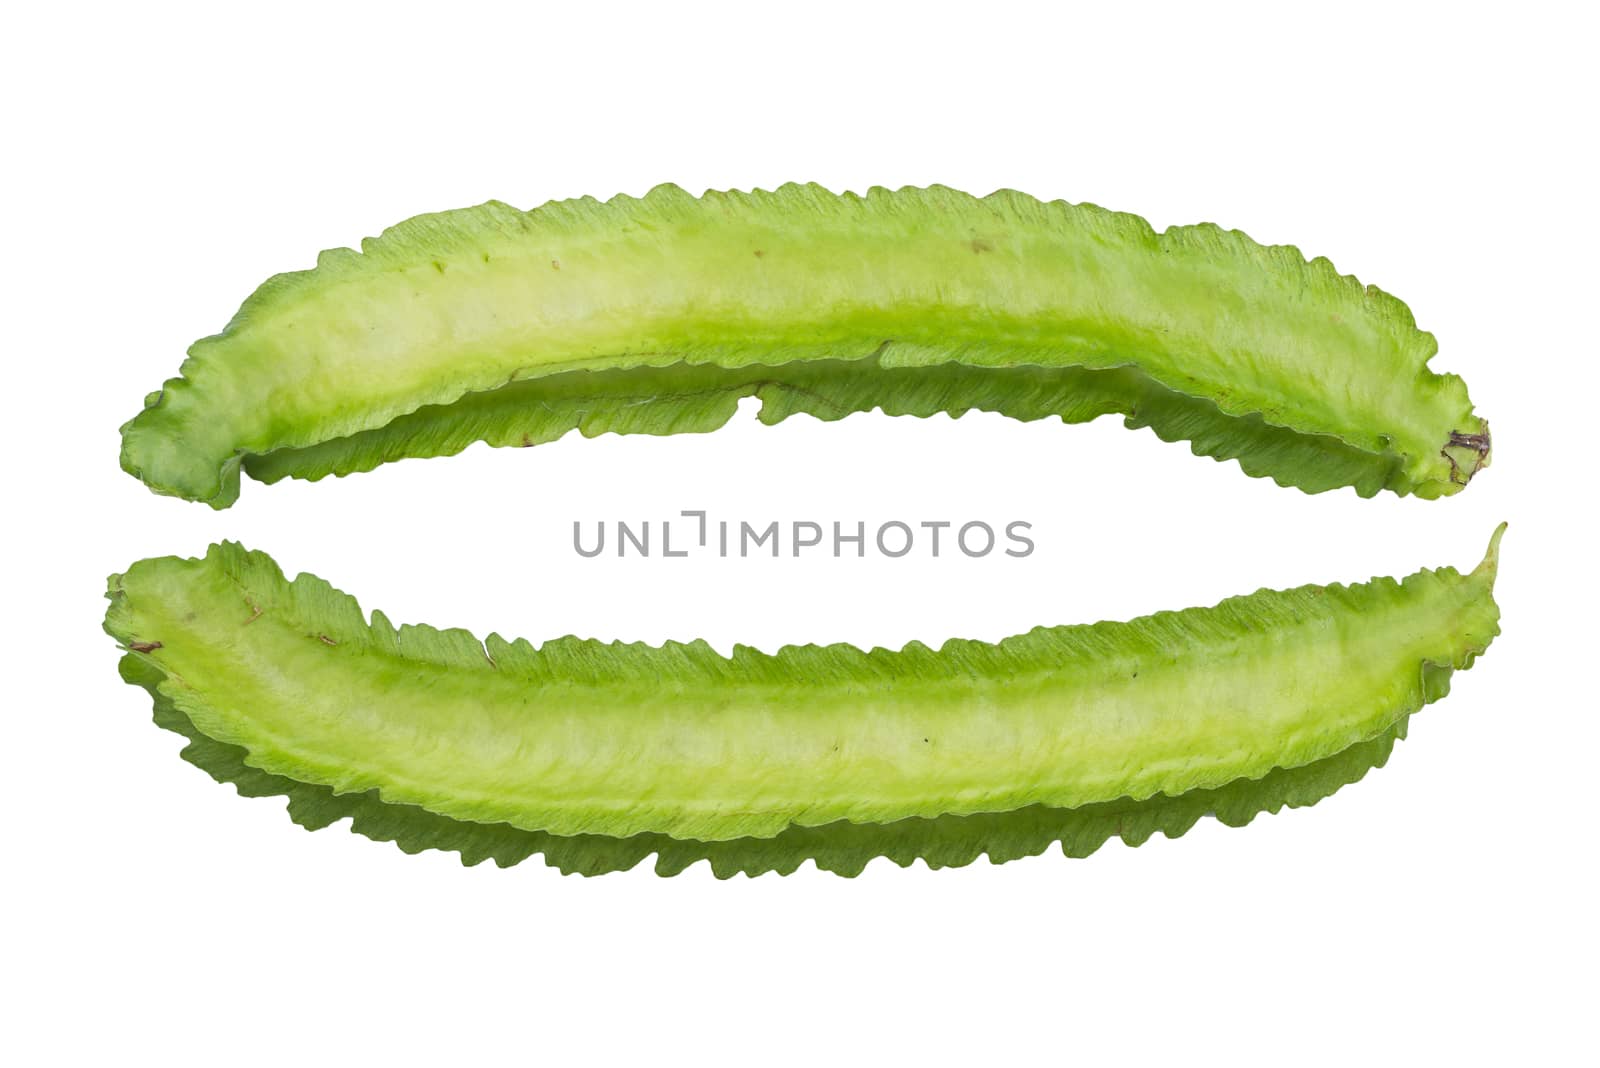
column 656, row 315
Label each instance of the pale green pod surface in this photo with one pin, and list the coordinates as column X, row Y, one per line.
column 842, row 847
column 656, row 315
column 579, row 737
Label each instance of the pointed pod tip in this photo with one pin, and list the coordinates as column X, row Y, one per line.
column 1491, row 558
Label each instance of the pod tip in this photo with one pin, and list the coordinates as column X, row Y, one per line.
column 1491, row 558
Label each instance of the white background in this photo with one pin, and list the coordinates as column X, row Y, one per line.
column 163, row 161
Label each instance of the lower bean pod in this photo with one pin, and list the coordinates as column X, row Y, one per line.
column 598, row 755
